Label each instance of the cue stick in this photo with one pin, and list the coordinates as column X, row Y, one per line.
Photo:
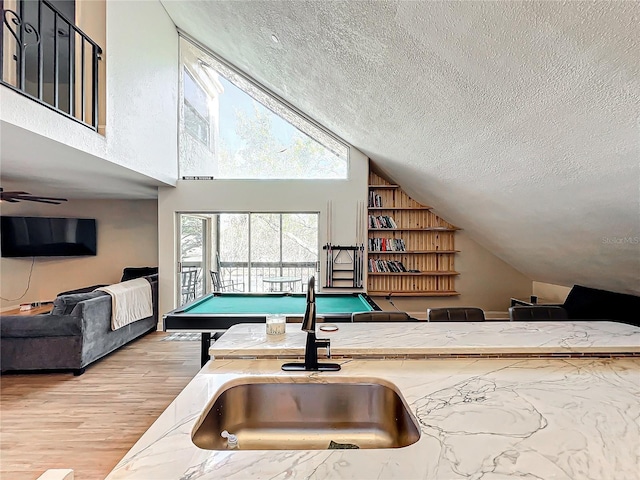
column 359, row 219
column 363, row 237
column 363, row 216
column 330, row 222
column 330, row 266
column 329, row 250
column 330, row 242
column 356, row 259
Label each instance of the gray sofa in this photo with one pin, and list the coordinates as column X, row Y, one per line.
column 76, row 333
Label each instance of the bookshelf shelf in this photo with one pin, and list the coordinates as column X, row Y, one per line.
column 402, row 293
column 415, row 274
column 411, row 229
column 398, row 208
column 410, row 252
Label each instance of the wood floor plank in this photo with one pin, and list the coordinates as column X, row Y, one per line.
column 88, row 423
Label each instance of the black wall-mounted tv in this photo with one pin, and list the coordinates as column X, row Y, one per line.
column 47, row 236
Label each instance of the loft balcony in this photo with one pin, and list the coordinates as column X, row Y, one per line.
column 46, row 57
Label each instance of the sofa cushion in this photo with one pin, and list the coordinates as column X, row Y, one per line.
column 129, row 273
column 64, row 304
column 32, row 326
column 83, row 289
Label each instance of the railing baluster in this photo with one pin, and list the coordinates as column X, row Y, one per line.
column 82, row 86
column 72, row 63
column 40, row 56
column 94, row 89
column 20, row 49
column 2, row 41
column 56, row 74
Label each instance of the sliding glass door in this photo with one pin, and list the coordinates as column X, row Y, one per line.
column 246, row 252
column 268, row 252
column 192, row 269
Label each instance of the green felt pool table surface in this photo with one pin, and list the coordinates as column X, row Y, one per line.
column 277, row 304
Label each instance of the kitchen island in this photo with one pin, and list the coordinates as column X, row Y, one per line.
column 485, row 418
column 417, row 340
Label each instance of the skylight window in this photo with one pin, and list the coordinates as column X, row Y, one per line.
column 251, row 134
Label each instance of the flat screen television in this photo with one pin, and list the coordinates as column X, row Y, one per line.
column 47, row 236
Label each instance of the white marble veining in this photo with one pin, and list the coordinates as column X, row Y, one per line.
column 436, row 338
column 489, row 419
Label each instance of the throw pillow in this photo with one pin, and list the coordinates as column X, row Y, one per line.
column 64, row 304
column 129, row 273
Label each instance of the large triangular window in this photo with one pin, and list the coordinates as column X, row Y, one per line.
column 232, row 128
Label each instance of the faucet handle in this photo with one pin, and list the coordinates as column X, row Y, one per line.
column 324, row 343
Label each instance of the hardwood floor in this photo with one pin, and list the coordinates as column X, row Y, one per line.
column 88, row 423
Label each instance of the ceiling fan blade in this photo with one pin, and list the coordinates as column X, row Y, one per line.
column 56, row 199
column 13, row 197
column 53, row 201
column 13, row 194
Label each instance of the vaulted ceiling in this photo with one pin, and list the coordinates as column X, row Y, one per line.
column 517, row 121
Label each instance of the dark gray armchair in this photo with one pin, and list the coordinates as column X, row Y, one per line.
column 537, row 312
column 455, row 314
column 381, row 316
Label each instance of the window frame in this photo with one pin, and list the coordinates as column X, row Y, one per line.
column 194, row 110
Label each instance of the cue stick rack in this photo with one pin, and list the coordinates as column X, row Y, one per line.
column 345, row 265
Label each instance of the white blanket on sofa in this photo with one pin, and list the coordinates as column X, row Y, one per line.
column 130, row 301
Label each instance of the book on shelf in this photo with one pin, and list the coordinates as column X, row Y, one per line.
column 381, row 221
column 375, row 200
column 381, row 266
column 387, row 245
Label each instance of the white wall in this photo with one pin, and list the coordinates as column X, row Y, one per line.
column 260, row 196
column 142, row 88
column 127, row 237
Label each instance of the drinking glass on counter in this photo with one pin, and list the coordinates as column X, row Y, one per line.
column 276, row 324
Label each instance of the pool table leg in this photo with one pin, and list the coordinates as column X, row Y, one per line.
column 205, row 343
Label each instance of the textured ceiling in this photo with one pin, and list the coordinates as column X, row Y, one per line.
column 517, row 121
column 44, row 167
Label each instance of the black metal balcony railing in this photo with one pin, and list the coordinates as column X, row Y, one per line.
column 46, row 57
column 255, row 279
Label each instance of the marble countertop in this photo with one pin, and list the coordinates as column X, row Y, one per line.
column 490, row 419
column 415, row 339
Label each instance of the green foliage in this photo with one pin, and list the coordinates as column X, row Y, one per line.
column 263, row 155
column 191, row 236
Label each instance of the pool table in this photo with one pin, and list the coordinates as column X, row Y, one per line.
column 219, row 311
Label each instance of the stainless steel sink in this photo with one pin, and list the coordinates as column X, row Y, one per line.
column 281, row 414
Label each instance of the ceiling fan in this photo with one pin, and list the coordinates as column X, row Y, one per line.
column 14, row 197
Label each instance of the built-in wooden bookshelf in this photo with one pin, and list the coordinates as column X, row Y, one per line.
column 414, row 258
